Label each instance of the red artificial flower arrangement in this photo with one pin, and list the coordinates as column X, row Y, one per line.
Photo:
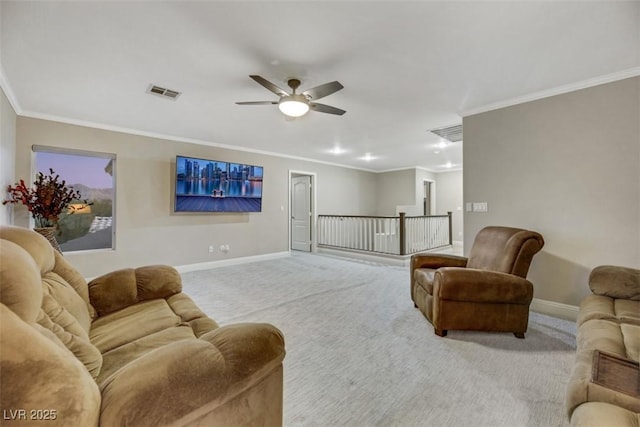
column 48, row 198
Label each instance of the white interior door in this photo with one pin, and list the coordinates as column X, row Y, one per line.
column 301, row 213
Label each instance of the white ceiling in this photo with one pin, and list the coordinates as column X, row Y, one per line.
column 407, row 67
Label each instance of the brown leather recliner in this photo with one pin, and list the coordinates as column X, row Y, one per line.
column 487, row 291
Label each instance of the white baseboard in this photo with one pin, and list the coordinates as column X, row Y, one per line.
column 555, row 309
column 231, row 261
column 366, row 256
column 389, row 259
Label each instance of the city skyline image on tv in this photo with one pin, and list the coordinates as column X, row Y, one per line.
column 204, row 185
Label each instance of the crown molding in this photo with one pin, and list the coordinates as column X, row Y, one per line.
column 559, row 90
column 456, row 169
column 405, row 168
column 6, row 88
column 112, row 128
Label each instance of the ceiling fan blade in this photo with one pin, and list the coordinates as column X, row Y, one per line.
column 257, row 103
column 266, row 83
column 322, row 90
column 322, row 108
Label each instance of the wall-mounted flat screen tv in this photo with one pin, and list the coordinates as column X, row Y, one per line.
column 214, row 186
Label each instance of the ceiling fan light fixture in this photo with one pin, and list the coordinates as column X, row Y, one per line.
column 294, row 105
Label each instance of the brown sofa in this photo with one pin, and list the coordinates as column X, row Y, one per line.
column 127, row 349
column 487, row 291
column 608, row 321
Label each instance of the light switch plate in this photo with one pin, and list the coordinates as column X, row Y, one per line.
column 480, row 207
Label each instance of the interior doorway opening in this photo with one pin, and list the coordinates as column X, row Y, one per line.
column 428, row 199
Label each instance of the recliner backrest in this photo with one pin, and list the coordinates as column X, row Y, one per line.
column 505, row 249
column 35, row 287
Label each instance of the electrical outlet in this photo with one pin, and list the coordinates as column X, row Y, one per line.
column 211, row 249
column 224, row 248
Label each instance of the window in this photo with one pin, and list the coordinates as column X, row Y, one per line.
column 93, row 175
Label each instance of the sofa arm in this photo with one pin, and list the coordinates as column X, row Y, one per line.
column 598, row 414
column 474, row 285
column 122, row 288
column 188, row 379
column 615, row 282
column 435, row 261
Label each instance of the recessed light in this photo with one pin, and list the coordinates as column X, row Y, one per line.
column 367, row 157
column 448, row 165
column 337, row 151
column 436, row 152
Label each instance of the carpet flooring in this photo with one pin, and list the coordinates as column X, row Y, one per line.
column 360, row 354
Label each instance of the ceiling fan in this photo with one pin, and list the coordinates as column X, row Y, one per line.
column 297, row 104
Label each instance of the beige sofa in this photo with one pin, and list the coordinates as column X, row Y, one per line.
column 127, row 349
column 608, row 321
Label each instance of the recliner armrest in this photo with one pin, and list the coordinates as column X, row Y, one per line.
column 122, row 288
column 434, row 261
column 473, row 285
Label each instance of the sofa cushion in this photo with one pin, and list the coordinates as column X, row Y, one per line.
column 192, row 324
column 607, row 336
column 599, row 414
column 37, row 373
column 595, row 307
column 116, row 359
column 607, row 308
column 80, row 346
column 132, row 323
column 615, row 282
column 68, row 298
column 20, row 288
column 603, row 335
column 628, row 311
column 189, row 312
column 232, row 357
column 631, row 337
column 71, row 276
column 44, row 258
column 119, row 289
column 36, row 245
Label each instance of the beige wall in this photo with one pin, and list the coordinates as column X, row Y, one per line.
column 567, row 166
column 395, row 188
column 403, row 190
column 422, row 176
column 7, row 153
column 147, row 230
column 449, row 199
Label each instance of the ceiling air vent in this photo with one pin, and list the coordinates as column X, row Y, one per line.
column 164, row 92
column 450, row 133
